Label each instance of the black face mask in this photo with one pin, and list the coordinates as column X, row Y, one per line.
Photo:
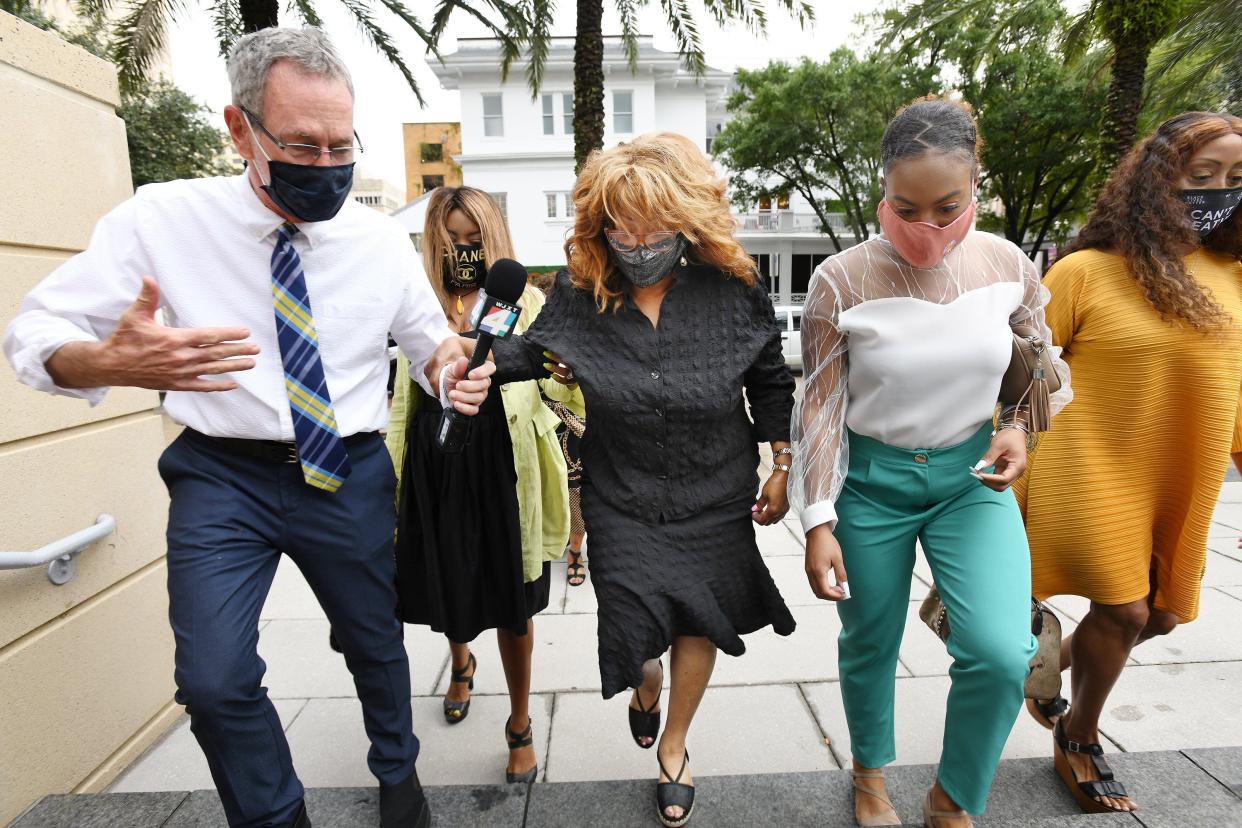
column 309, row 192
column 1210, row 209
column 464, row 267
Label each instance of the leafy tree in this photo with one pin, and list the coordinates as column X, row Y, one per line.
column 815, row 129
column 170, row 135
column 1201, row 32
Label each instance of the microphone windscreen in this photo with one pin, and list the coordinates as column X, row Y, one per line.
column 506, row 279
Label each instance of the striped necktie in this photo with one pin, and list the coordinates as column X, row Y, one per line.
column 321, row 451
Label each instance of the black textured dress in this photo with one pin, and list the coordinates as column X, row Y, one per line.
column 669, row 459
column 459, row 534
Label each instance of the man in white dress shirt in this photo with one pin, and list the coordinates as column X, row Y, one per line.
column 278, row 293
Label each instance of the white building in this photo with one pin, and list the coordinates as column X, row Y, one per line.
column 378, row 194
column 522, row 150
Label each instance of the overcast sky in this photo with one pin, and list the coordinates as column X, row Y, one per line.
column 384, row 101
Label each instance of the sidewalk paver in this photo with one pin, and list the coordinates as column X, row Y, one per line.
column 736, row 730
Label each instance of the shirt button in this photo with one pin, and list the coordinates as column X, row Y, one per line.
column 655, row 375
column 920, row 458
column 512, row 419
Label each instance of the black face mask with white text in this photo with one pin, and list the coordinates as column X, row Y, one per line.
column 464, row 267
column 1210, row 209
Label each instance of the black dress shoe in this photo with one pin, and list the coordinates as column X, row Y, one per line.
column 403, row 805
column 302, row 820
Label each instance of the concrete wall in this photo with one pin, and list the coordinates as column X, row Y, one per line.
column 85, row 668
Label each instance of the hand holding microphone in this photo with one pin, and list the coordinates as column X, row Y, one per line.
column 496, row 315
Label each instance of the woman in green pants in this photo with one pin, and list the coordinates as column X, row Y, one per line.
column 905, row 339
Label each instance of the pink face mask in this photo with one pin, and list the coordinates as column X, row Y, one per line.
column 922, row 243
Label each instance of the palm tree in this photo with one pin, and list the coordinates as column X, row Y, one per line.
column 589, row 48
column 139, row 34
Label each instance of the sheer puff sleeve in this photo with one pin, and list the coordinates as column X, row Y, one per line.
column 818, row 424
column 1035, row 299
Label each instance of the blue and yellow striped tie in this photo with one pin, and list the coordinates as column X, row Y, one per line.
column 321, row 451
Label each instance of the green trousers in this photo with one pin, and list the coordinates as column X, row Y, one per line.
column 974, row 541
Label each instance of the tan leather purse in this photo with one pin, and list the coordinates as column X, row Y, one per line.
column 1031, row 378
column 1044, row 680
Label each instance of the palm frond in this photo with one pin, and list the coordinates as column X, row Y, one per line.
column 627, row 10
column 511, row 34
column 87, row 9
column 686, row 31
column 139, row 36
column 1080, row 34
column 226, row 20
column 306, row 10
column 382, row 42
column 1207, row 37
column 540, row 35
column 407, row 17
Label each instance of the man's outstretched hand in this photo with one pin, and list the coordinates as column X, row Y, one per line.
column 143, row 353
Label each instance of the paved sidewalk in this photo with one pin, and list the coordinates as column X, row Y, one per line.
column 775, row 710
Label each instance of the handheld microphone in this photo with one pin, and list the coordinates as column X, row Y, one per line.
column 496, row 314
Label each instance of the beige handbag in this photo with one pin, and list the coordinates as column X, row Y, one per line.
column 1044, row 680
column 1031, row 378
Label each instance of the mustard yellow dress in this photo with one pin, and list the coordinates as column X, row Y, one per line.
column 1123, row 487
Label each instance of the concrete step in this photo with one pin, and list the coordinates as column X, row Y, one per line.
column 1190, row 789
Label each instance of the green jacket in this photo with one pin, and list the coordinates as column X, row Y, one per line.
column 542, row 491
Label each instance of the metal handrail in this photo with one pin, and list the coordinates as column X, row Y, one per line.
column 59, row 554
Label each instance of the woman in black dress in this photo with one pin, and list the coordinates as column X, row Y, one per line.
column 662, row 321
column 476, row 530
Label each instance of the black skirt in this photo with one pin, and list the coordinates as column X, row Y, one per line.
column 655, row 581
column 459, row 535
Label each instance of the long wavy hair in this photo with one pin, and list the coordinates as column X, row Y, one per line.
column 659, row 177
column 1141, row 216
column 482, row 210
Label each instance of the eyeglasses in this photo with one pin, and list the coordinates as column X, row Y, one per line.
column 308, row 153
column 658, row 241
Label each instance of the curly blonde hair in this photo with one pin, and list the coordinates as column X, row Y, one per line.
column 481, row 209
column 660, row 177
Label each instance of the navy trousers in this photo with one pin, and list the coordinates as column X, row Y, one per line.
column 230, row 519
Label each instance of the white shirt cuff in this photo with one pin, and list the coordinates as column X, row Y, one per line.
column 440, row 386
column 30, row 365
column 819, row 513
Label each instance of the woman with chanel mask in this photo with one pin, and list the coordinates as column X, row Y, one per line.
column 476, row 530
column 905, row 339
column 1119, row 497
column 662, row 320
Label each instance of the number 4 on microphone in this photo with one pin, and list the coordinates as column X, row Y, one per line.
column 499, row 319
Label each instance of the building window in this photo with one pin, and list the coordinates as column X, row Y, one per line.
column 549, row 117
column 567, row 107
column 493, row 117
column 430, row 153
column 551, row 197
column 502, row 201
column 623, row 113
column 430, row 182
column 569, row 205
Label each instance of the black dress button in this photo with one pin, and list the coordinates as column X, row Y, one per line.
column 655, row 375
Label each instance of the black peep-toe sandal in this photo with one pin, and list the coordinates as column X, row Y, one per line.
column 455, row 712
column 1085, row 793
column 520, row 740
column 645, row 722
column 674, row 795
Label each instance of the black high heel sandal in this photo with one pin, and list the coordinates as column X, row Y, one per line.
column 645, row 722
column 674, row 795
column 1047, row 713
column 455, row 712
column 1085, row 793
column 520, row 740
column 575, row 569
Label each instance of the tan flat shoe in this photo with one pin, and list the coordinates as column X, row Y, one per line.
column 930, row 814
column 891, row 817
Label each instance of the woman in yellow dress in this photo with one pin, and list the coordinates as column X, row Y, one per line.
column 1119, row 496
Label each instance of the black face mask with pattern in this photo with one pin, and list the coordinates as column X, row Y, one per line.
column 464, row 267
column 1210, row 209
